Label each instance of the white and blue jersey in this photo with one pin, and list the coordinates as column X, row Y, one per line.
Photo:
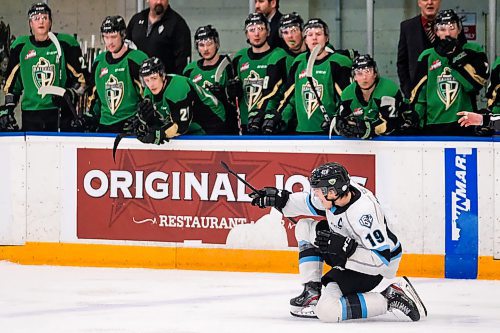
column 378, row 251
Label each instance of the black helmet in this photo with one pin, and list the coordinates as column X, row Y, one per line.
column 256, row 18
column 206, row 32
column 113, row 24
column 364, row 61
column 448, row 16
column 39, row 8
column 316, row 23
column 291, row 20
column 151, row 66
column 330, row 176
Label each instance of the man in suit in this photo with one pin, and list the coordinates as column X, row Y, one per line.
column 270, row 9
column 416, row 35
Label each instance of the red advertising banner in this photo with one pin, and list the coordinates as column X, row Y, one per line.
column 174, row 196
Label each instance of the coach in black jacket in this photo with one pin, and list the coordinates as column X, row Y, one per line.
column 413, row 39
column 161, row 32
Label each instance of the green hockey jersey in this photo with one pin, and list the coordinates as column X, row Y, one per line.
column 445, row 86
column 116, row 87
column 34, row 64
column 191, row 108
column 384, row 110
column 330, row 77
column 251, row 69
column 494, row 88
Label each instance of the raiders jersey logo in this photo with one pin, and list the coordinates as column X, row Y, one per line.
column 43, row 73
column 253, row 86
column 114, row 93
column 447, row 88
column 309, row 98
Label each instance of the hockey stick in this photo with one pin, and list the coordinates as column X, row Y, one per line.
column 54, row 40
column 225, row 166
column 309, row 75
column 221, row 68
column 58, row 91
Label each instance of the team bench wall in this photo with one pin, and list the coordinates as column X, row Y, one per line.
column 441, row 197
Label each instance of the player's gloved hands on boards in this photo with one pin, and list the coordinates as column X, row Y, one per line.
column 325, row 125
column 335, row 244
column 156, row 136
column 254, row 122
column 273, row 123
column 270, row 197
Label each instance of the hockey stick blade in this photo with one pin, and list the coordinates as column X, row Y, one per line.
column 220, row 69
column 118, row 138
column 312, row 60
column 239, row 178
column 58, row 91
column 309, row 75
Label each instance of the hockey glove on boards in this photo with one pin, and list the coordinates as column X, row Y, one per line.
column 254, row 122
column 272, row 123
column 270, row 197
column 156, row 136
column 7, row 121
column 333, row 243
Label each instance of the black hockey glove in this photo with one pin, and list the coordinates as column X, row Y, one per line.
column 270, row 197
column 459, row 60
column 335, row 244
column 218, row 91
column 325, row 126
column 272, row 123
column 8, row 122
column 85, row 122
column 353, row 127
column 70, row 96
column 156, row 136
column 446, row 47
column 234, row 89
column 146, row 112
column 254, row 122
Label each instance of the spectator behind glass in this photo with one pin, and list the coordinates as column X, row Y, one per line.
column 450, row 76
column 416, row 35
column 270, row 10
column 161, row 32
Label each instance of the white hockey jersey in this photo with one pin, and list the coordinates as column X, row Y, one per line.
column 378, row 251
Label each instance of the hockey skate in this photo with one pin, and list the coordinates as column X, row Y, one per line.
column 403, row 297
column 304, row 305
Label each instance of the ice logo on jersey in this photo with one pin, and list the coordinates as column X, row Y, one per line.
column 253, row 86
column 447, row 87
column 366, row 221
column 309, row 98
column 114, row 93
column 43, row 73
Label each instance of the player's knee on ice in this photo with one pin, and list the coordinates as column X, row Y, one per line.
column 332, row 307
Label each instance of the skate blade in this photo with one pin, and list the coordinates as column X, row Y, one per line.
column 418, row 301
column 303, row 312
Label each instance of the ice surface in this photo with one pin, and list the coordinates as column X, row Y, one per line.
column 74, row 299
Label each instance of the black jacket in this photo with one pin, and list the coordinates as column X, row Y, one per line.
column 274, row 39
column 169, row 39
column 412, row 41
